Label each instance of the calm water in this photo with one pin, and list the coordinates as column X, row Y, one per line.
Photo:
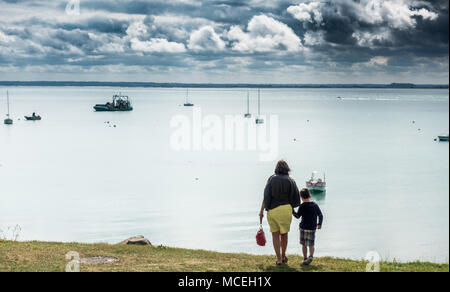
column 71, row 177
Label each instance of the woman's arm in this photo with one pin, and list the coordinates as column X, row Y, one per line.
column 296, row 214
column 267, row 198
column 261, row 212
column 295, row 195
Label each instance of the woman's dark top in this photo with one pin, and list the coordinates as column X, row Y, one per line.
column 309, row 212
column 281, row 190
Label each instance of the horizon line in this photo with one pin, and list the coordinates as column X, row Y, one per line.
column 223, row 85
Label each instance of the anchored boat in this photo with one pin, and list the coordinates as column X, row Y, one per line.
column 8, row 120
column 248, row 115
column 187, row 103
column 443, row 138
column 259, row 120
column 316, row 185
column 33, row 117
column 120, row 103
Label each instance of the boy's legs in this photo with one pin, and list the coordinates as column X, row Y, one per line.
column 305, row 251
column 311, row 251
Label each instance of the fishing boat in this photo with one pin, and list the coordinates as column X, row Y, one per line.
column 8, row 120
column 316, row 184
column 259, row 120
column 248, row 115
column 187, row 103
column 120, row 103
column 33, row 117
column 443, row 138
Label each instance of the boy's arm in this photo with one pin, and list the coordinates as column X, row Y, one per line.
column 320, row 215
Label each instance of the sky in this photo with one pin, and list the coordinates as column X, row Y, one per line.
column 225, row 41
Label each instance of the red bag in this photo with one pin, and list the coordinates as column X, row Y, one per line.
column 260, row 236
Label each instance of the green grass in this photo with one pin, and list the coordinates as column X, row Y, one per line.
column 50, row 257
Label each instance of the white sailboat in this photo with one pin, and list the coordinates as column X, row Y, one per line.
column 248, row 115
column 8, row 120
column 259, row 120
column 187, row 103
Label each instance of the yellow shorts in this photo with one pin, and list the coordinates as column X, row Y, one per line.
column 280, row 219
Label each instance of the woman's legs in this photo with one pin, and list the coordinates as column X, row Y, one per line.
column 276, row 245
column 284, row 244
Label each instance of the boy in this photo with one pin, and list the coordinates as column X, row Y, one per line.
column 310, row 212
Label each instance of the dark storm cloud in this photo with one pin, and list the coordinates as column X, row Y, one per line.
column 350, row 36
column 99, row 24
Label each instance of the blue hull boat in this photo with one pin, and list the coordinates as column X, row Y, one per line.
column 120, row 103
column 106, row 108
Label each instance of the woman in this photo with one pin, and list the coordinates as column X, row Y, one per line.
column 281, row 195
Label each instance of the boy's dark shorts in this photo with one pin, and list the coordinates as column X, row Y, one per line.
column 307, row 237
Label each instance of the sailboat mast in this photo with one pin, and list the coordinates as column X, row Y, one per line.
column 187, row 95
column 248, row 102
column 7, row 100
column 259, row 102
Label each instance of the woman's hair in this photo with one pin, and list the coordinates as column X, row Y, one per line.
column 305, row 193
column 282, row 168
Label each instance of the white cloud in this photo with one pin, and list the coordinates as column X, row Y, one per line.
column 370, row 39
column 265, row 34
column 206, row 39
column 314, row 38
column 137, row 31
column 157, row 45
column 309, row 12
column 397, row 14
column 5, row 38
column 137, row 28
column 378, row 61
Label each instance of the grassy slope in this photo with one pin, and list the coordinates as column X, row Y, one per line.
column 43, row 256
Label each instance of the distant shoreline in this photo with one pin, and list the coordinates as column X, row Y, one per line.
column 218, row 85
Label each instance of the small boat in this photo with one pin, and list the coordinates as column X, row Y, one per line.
column 33, row 117
column 8, row 120
column 187, row 103
column 259, row 120
column 443, row 138
column 316, row 185
column 120, row 103
column 248, row 115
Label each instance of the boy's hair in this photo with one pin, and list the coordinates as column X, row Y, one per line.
column 305, row 193
column 282, row 168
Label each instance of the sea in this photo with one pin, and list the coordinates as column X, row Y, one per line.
column 194, row 177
